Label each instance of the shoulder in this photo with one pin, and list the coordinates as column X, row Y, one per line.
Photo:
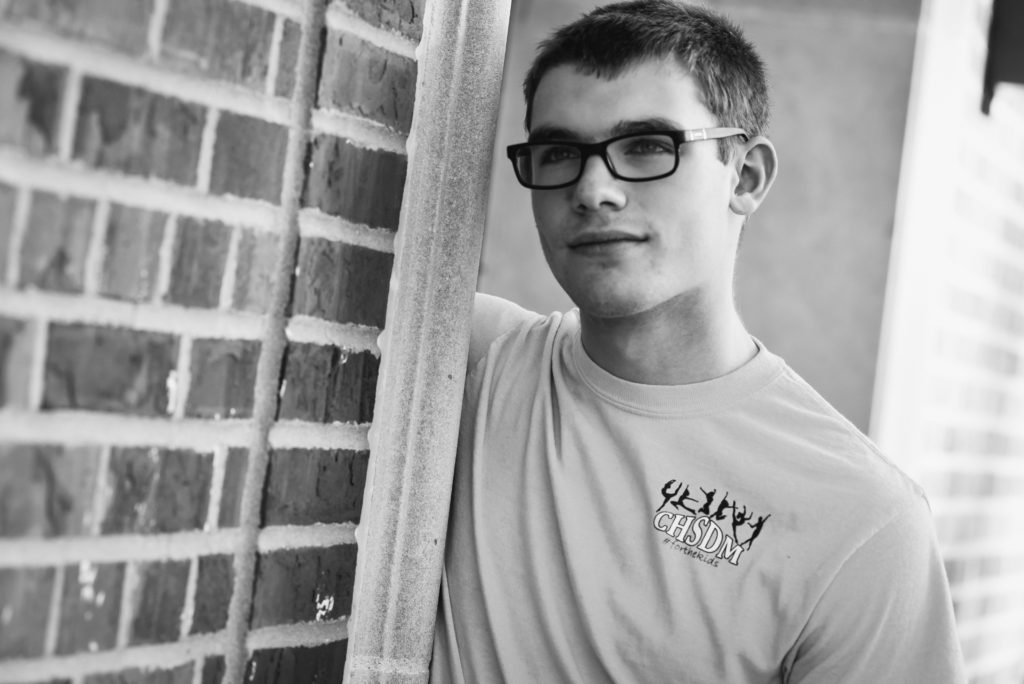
column 827, row 430
column 494, row 317
column 825, row 462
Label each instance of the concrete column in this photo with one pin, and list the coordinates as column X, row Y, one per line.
column 408, row 489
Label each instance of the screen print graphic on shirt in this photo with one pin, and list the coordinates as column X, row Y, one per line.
column 707, row 531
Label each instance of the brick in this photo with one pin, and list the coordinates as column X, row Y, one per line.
column 308, row 487
column 90, row 607
column 132, row 261
column 327, row 384
column 288, row 59
column 108, row 369
column 213, row 594
column 200, row 258
column 16, row 340
column 47, row 491
column 304, row 585
column 315, row 664
column 157, row 490
column 120, row 24
column 403, row 16
column 213, row 670
column 8, row 202
column 138, row 132
column 161, row 600
column 178, row 675
column 30, row 102
column 224, row 40
column 363, row 186
column 56, row 242
column 341, row 282
column 255, row 271
column 364, row 79
column 24, row 605
column 231, row 495
column 248, row 158
column 223, row 375
column 355, row 399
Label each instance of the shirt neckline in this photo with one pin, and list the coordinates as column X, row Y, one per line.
column 693, row 398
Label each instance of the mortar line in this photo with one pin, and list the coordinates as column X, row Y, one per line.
column 274, row 58
column 69, row 113
column 102, row 492
column 299, row 634
column 130, row 587
column 155, row 34
column 54, row 612
column 96, row 251
column 227, row 283
column 188, row 609
column 22, row 207
column 365, row 133
column 288, row 8
column 182, row 385
column 37, row 372
column 96, row 428
column 207, row 145
column 220, row 461
column 178, row 320
column 341, row 18
column 273, row 344
column 173, row 546
column 165, row 259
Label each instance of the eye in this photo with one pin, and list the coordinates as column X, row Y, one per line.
column 648, row 145
column 555, row 154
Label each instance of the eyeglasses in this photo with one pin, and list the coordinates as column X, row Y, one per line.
column 632, row 157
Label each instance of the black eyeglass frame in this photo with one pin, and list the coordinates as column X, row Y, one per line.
column 601, row 149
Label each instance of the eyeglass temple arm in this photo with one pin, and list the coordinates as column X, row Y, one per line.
column 712, row 134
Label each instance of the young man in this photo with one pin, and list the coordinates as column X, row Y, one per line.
column 643, row 492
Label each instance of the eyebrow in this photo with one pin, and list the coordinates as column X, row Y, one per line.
column 548, row 133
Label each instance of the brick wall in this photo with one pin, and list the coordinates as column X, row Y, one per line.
column 952, row 374
column 144, row 217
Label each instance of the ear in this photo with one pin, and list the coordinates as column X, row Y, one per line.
column 756, row 166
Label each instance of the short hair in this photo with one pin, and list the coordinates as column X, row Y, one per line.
column 608, row 40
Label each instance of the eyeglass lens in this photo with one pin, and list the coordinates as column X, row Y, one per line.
column 636, row 157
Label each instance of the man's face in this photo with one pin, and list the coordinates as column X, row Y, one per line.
column 621, row 248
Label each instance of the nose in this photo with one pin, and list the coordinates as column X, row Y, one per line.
column 597, row 188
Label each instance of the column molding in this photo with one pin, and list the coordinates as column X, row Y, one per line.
column 404, row 519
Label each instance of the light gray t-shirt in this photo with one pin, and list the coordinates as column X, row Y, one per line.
column 735, row 530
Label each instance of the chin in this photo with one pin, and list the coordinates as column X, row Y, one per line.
column 599, row 304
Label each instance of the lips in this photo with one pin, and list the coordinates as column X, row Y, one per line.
column 596, row 238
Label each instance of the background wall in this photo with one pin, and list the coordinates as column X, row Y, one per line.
column 950, row 398
column 812, row 265
column 144, row 199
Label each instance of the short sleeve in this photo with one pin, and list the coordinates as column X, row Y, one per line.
column 493, row 317
column 887, row 615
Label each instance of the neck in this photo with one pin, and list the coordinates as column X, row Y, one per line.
column 679, row 342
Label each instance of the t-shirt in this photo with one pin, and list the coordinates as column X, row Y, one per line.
column 734, row 530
